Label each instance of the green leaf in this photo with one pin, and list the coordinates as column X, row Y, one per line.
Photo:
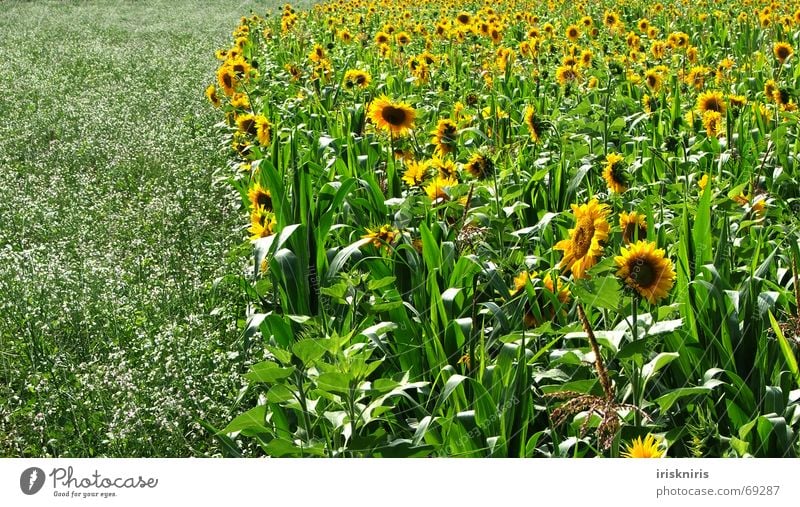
column 268, row 372
column 657, row 363
column 602, row 292
column 253, row 419
column 786, row 348
column 666, row 401
column 334, row 382
column 309, row 350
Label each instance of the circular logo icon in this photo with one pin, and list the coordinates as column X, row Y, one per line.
column 31, row 480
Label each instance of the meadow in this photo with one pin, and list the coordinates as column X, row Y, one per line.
column 369, row 229
column 517, row 228
column 113, row 229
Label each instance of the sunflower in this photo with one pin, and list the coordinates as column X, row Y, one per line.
column 647, row 448
column 240, row 101
column 586, row 57
column 737, row 101
column 396, row 118
column 211, row 95
column 382, row 38
column 610, row 19
column 563, row 294
column 227, row 79
column 615, row 174
column 479, row 166
column 464, row 18
column 356, row 78
column 711, row 101
column 402, row 39
column 260, row 198
column 444, row 137
column 438, row 187
column 697, row 77
column 653, row 78
column 416, row 172
column 246, row 123
column 769, row 88
column 533, row 123
column 263, row 128
column 712, row 122
column 446, row 168
column 782, row 51
column 262, row 223
column 317, row 53
column 584, row 247
column 566, row 74
column 646, row 270
column 633, row 225
column 383, row 236
column 573, row 32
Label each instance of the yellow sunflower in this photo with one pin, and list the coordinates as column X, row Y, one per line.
column 782, row 51
column 566, row 75
column 616, row 176
column 382, row 236
column 769, row 89
column 711, row 101
column 263, row 128
column 633, row 225
column 438, row 187
column 479, row 166
column 211, row 95
column 610, row 19
column 396, row 118
column 533, row 123
column 356, row 78
column 563, row 294
column 246, row 123
column 584, row 246
column 444, row 167
column 227, row 79
column 416, row 172
column 444, row 137
column 654, row 79
column 646, row 270
column 260, row 198
column 262, row 223
column 647, row 448
column 573, row 32
column 712, row 122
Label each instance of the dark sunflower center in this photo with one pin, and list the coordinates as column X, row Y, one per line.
column 783, row 53
column 618, row 174
column 643, row 273
column 394, row 116
column 265, row 201
column 228, row 80
column 631, row 230
column 249, row 126
column 583, row 237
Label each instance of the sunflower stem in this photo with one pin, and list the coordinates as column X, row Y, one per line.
column 796, row 287
column 602, row 373
column 636, row 377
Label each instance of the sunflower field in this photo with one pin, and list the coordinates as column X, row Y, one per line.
column 515, row 228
